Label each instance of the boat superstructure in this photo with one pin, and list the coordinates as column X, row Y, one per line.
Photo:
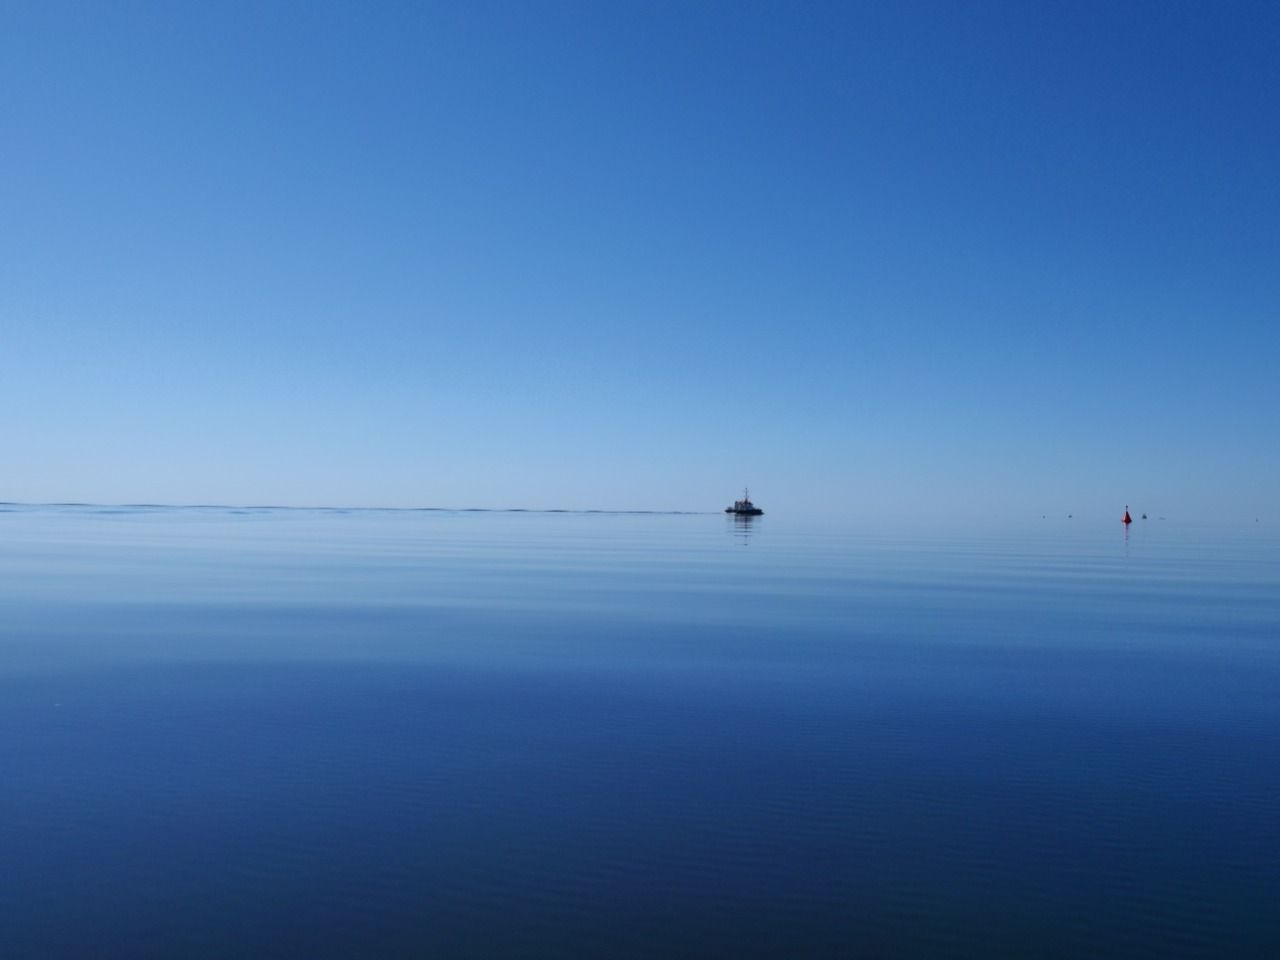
column 744, row 507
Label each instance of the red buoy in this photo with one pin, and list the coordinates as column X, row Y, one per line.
column 1127, row 519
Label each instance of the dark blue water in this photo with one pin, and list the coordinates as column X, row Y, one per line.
column 337, row 734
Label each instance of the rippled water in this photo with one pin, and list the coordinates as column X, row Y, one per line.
column 342, row 733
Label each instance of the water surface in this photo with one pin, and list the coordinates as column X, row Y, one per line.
column 309, row 733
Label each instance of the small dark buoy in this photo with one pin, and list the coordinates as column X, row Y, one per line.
column 1127, row 519
column 1144, row 516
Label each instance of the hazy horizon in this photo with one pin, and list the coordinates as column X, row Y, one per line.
column 1096, row 522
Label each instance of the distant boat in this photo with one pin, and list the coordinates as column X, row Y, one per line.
column 744, row 507
column 1127, row 519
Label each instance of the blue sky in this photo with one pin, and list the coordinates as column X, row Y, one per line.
column 954, row 259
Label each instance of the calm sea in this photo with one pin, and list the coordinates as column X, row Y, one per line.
column 311, row 733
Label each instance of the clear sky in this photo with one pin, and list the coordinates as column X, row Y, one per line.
column 951, row 258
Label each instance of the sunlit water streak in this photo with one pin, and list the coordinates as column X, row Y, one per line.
column 431, row 733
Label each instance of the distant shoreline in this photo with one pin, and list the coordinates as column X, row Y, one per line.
column 339, row 509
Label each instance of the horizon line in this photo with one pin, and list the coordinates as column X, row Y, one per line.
column 332, row 508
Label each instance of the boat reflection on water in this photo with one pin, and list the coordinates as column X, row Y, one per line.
column 743, row 512
column 740, row 526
